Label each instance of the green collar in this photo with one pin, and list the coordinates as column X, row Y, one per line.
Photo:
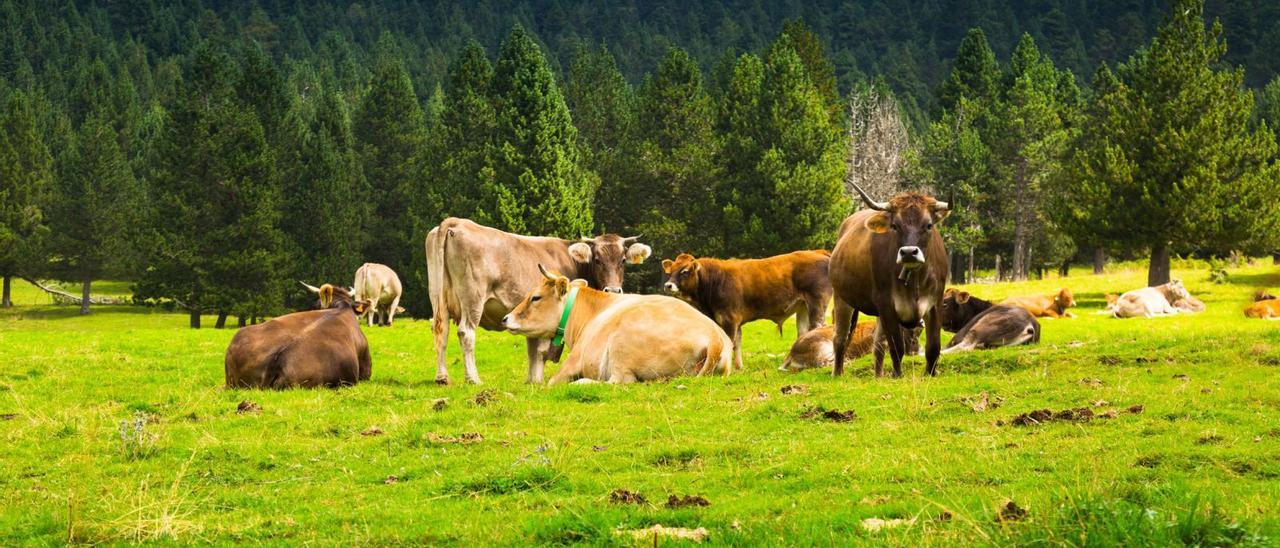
column 564, row 316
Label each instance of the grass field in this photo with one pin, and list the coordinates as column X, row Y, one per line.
column 379, row 464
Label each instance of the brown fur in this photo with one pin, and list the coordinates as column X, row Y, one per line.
column 305, row 349
column 1263, row 295
column 1266, row 309
column 736, row 291
column 1046, row 306
column 865, row 275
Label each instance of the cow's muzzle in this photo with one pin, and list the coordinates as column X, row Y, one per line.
column 506, row 322
column 910, row 256
column 613, row 290
column 671, row 288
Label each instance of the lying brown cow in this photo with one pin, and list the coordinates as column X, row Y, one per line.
column 1046, row 306
column 307, row 349
column 817, row 349
column 736, row 291
column 1000, row 325
column 620, row 338
column 958, row 308
column 1266, row 306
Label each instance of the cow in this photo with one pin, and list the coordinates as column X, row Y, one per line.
column 620, row 338
column 380, row 285
column 1265, row 309
column 1148, row 302
column 1054, row 305
column 314, row 348
column 997, row 326
column 815, row 348
column 1189, row 304
column 890, row 261
column 958, row 308
column 476, row 275
column 736, row 291
column 1263, row 294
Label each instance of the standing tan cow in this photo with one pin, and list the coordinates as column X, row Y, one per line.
column 479, row 274
column 621, row 338
column 890, row 262
column 736, row 291
column 379, row 285
column 307, row 349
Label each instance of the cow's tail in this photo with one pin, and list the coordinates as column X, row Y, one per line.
column 718, row 356
column 438, row 286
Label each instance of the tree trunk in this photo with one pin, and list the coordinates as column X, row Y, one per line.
column 1158, row 273
column 195, row 319
column 1099, row 260
column 957, row 269
column 222, row 320
column 1275, row 259
column 970, row 263
column 7, row 302
column 999, row 274
column 1066, row 268
column 240, row 321
column 84, row 297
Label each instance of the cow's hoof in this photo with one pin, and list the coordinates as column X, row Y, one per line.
column 474, row 381
column 443, row 381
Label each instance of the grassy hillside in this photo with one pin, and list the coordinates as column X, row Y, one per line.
column 378, row 463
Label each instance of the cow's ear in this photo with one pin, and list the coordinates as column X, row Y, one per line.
column 638, row 252
column 697, row 266
column 878, row 223
column 666, row 266
column 562, row 285
column 358, row 307
column 580, row 252
column 962, row 297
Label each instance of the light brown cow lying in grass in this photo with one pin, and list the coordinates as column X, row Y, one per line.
column 621, row 338
column 1149, row 302
column 817, row 349
column 1046, row 306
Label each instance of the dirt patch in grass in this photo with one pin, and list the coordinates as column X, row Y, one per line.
column 8, row 416
column 1011, row 512
column 686, row 501
column 794, row 389
column 623, row 496
column 982, row 402
column 832, row 415
column 1077, row 414
column 371, row 431
column 465, row 438
column 248, row 407
column 485, row 397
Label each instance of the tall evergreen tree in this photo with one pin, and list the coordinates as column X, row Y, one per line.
column 541, row 187
column 603, row 106
column 974, row 74
column 94, row 213
column 463, row 161
column 391, row 133
column 1170, row 151
column 26, row 178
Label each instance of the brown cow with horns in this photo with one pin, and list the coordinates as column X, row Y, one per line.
column 890, row 262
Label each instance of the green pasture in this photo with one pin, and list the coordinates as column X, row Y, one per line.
column 387, row 462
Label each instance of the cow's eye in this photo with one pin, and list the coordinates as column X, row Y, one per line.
column 928, row 226
column 894, row 226
column 535, row 298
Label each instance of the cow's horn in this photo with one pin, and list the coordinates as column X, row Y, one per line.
column 878, row 206
column 309, row 287
column 544, row 272
column 631, row 239
column 940, row 205
column 585, row 239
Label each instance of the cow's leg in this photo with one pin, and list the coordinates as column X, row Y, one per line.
column 737, row 348
column 846, row 317
column 440, row 329
column 536, row 348
column 897, row 344
column 878, row 344
column 391, row 312
column 932, row 340
column 817, row 312
column 467, row 338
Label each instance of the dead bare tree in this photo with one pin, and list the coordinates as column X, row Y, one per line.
column 878, row 143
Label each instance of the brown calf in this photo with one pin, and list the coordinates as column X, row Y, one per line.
column 736, row 291
column 1046, row 306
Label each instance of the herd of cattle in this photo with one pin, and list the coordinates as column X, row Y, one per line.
column 889, row 262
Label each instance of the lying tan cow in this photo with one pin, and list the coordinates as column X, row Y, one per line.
column 620, row 338
column 1266, row 306
column 817, row 347
column 1000, row 325
column 380, row 285
column 736, row 291
column 307, row 349
column 1046, row 306
column 1148, row 302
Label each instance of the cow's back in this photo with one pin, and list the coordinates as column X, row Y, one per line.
column 769, row 287
column 651, row 337
column 313, row 348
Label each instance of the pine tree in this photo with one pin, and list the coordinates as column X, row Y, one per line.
column 603, row 106
column 463, row 163
column 672, row 186
column 390, row 130
column 94, row 213
column 1167, row 158
column 26, row 178
column 974, row 74
column 541, row 188
column 812, row 53
column 217, row 246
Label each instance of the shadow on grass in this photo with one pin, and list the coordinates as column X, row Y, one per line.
column 62, row 312
column 1259, row 279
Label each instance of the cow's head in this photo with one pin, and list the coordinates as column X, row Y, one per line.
column 538, row 315
column 333, row 296
column 682, row 275
column 604, row 258
column 1174, row 290
column 910, row 218
column 1064, row 299
column 958, row 308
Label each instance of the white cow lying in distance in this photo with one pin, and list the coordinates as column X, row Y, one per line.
column 1149, row 302
column 621, row 338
